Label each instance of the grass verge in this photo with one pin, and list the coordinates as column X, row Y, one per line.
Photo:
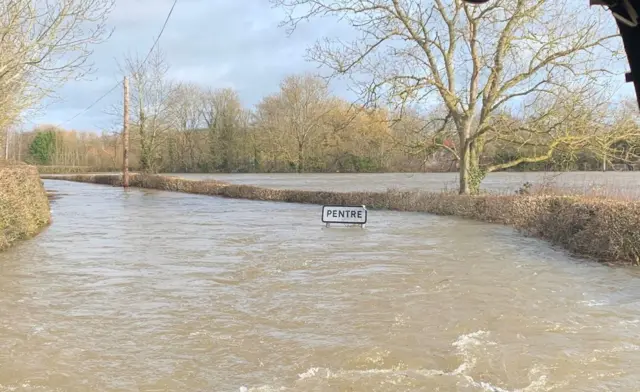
column 72, row 169
column 605, row 230
column 24, row 206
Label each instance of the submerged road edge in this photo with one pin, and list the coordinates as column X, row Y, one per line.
column 600, row 229
column 24, row 204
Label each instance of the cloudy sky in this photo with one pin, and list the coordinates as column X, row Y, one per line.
column 219, row 43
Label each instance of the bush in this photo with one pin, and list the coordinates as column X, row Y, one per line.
column 24, row 206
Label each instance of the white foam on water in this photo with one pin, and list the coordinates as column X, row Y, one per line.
column 311, row 372
column 485, row 386
column 592, row 302
column 316, row 372
column 400, row 320
column 263, row 388
column 37, row 329
column 26, row 387
column 538, row 384
column 625, row 347
column 472, row 338
column 464, row 344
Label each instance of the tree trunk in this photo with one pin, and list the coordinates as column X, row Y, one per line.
column 464, row 131
column 476, row 174
column 144, row 159
column 213, row 149
column 256, row 159
column 464, row 169
column 300, row 157
column 471, row 175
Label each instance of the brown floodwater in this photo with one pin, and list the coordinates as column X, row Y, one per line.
column 155, row 291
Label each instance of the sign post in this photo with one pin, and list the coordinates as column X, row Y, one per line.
column 349, row 215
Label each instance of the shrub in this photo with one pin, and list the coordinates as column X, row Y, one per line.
column 24, row 206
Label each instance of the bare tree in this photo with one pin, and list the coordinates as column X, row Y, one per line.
column 150, row 99
column 295, row 117
column 184, row 144
column 473, row 60
column 185, row 106
column 43, row 44
column 429, row 136
column 617, row 134
column 225, row 119
column 355, row 139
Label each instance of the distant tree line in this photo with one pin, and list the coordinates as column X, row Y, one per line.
column 186, row 128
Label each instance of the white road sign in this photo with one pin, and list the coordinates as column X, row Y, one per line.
column 356, row 215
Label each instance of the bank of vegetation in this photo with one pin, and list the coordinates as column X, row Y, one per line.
column 24, row 206
column 602, row 229
column 47, row 169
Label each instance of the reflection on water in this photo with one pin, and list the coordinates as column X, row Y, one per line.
column 156, row 291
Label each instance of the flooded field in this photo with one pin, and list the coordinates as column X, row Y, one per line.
column 156, row 291
column 610, row 183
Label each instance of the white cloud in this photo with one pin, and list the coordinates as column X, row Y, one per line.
column 221, row 43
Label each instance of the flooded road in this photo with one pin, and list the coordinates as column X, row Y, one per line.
column 158, row 291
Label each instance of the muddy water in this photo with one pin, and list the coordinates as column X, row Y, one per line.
column 155, row 291
column 625, row 184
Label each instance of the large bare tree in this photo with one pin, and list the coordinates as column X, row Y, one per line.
column 475, row 61
column 43, row 44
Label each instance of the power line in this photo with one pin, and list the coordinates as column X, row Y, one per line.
column 90, row 106
column 155, row 43
column 166, row 21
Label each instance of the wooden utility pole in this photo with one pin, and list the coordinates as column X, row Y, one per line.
column 125, row 136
